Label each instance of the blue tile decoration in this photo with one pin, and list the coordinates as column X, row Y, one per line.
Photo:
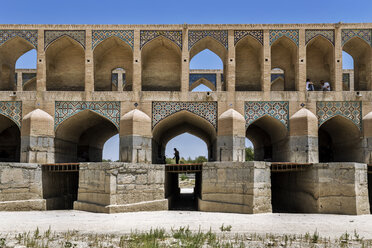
column 351, row 110
column 240, row 34
column 312, row 33
column 276, row 75
column 197, row 35
column 27, row 76
column 28, row 35
column 52, row 35
column 211, row 77
column 206, row 110
column 255, row 110
column 364, row 34
column 114, row 79
column 149, row 35
column 289, row 33
column 100, row 35
column 66, row 109
column 12, row 110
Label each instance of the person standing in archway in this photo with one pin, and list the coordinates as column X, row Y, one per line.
column 176, row 155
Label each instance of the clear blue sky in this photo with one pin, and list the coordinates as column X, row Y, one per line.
column 179, row 12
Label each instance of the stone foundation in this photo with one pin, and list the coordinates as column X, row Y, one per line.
column 21, row 187
column 120, row 187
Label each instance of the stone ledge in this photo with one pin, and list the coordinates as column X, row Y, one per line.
column 23, row 205
column 212, row 206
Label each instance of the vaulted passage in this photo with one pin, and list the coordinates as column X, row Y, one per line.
column 10, row 140
column 249, row 59
column 284, row 55
column 81, row 137
column 161, row 66
column 334, row 147
column 65, row 65
column 108, row 55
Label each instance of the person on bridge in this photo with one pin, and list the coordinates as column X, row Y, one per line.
column 176, row 155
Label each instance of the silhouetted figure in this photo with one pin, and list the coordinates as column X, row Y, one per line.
column 176, row 155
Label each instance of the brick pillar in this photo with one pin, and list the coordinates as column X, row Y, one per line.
column 19, row 81
column 218, row 82
column 185, row 64
column 120, row 82
column 301, row 62
column 266, row 62
column 89, row 63
column 230, row 63
column 41, row 63
column 137, row 70
column 337, row 71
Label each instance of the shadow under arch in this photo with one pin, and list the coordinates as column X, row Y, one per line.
column 110, row 54
column 249, row 64
column 284, row 55
column 203, row 81
column 339, row 140
column 10, row 140
column 65, row 65
column 179, row 123
column 81, row 137
column 268, row 136
column 161, row 65
column 361, row 52
column 320, row 61
column 10, row 52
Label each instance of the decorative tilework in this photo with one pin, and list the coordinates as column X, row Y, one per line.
column 52, row 35
column 211, row 77
column 350, row 110
column 312, row 33
column 255, row 110
column 348, row 34
column 240, row 34
column 100, row 35
column 149, row 35
column 206, row 110
column 27, row 76
column 290, row 33
column 64, row 110
column 29, row 35
column 218, row 35
column 12, row 110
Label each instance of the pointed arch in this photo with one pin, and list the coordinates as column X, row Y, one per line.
column 10, row 52
column 284, row 55
column 334, row 147
column 204, row 81
column 80, row 138
column 211, row 44
column 249, row 59
column 110, row 54
column 268, row 136
column 178, row 123
column 320, row 61
column 161, row 65
column 361, row 52
column 65, row 65
column 10, row 140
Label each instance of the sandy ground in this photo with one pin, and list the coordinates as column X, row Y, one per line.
column 327, row 225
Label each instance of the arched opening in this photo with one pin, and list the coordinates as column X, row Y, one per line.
column 10, row 52
column 26, row 71
column 277, row 79
column 110, row 150
column 284, row 55
column 268, row 136
column 248, row 71
column 320, row 62
column 81, row 137
column 173, row 126
column 202, row 85
column 209, row 54
column 65, row 65
column 339, row 141
column 347, row 72
column 161, row 65
column 113, row 56
column 361, row 53
column 10, row 140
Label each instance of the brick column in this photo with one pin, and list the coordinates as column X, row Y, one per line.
column 218, row 82
column 337, row 71
column 137, row 70
column 266, row 68
column 301, row 62
column 41, row 63
column 19, row 81
column 120, row 82
column 89, row 63
column 185, row 64
column 230, row 63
